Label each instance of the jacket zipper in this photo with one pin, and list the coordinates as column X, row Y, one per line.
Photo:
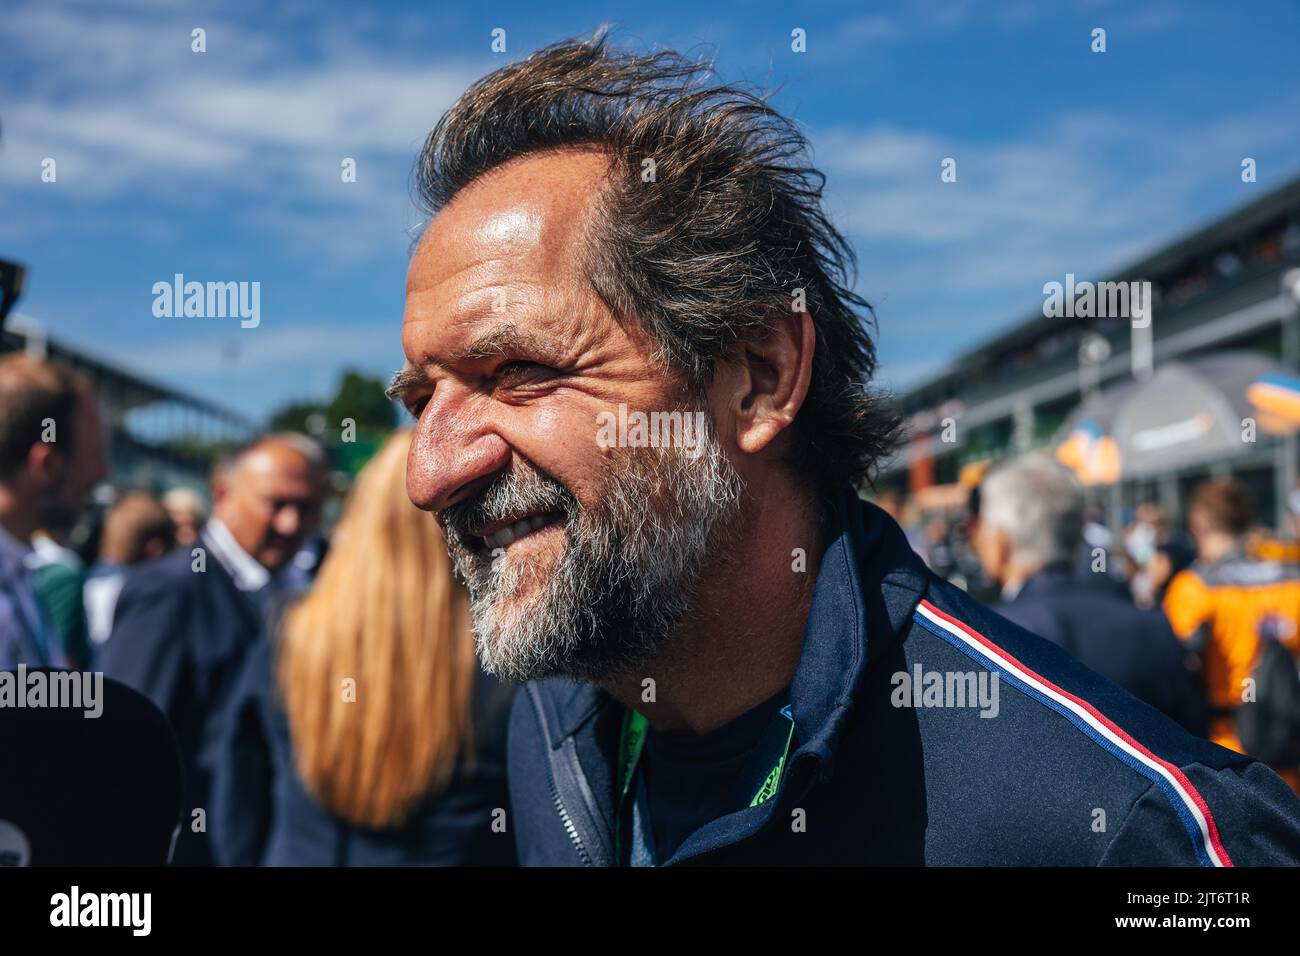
column 565, row 819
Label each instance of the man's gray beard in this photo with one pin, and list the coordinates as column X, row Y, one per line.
column 626, row 577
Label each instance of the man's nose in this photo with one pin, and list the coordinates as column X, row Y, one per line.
column 452, row 457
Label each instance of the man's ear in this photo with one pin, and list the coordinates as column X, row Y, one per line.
column 219, row 483
column 769, row 381
column 46, row 463
column 1003, row 549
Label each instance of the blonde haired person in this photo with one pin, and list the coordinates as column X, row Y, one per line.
column 365, row 734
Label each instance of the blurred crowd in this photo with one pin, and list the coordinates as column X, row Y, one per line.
column 1196, row 623
column 322, row 701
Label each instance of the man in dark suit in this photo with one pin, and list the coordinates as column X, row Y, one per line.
column 183, row 624
column 51, row 455
column 1028, row 538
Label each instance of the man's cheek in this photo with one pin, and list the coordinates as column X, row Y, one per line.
column 559, row 438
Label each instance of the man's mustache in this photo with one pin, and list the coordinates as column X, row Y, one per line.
column 523, row 488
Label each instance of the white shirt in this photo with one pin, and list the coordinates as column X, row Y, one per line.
column 242, row 566
column 45, row 550
column 99, row 595
column 250, row 576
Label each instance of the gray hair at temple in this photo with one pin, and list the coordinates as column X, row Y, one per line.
column 1039, row 504
column 725, row 233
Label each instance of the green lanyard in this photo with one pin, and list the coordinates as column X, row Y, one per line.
column 632, row 741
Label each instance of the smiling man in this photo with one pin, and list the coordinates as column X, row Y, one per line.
column 709, row 633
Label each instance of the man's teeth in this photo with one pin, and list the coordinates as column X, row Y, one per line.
column 506, row 536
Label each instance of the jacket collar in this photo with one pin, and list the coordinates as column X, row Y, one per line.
column 243, row 569
column 868, row 586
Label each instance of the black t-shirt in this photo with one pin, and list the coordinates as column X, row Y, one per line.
column 692, row 779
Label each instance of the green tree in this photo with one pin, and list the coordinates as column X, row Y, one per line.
column 359, row 398
column 293, row 417
column 362, row 399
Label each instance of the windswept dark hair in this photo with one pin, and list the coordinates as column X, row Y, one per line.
column 711, row 221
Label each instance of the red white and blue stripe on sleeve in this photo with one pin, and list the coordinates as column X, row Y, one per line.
column 1187, row 801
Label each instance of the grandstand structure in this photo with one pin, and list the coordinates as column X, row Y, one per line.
column 1230, row 285
column 159, row 437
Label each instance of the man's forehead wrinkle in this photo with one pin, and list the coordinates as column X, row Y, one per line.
column 459, row 314
column 552, row 329
column 459, row 273
column 507, row 247
column 508, row 242
column 578, row 321
column 535, row 207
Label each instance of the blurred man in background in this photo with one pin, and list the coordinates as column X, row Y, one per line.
column 1029, row 535
column 1227, row 604
column 184, row 623
column 188, row 514
column 51, row 456
column 1142, row 540
column 1170, row 559
column 137, row 529
column 59, row 575
column 1267, row 544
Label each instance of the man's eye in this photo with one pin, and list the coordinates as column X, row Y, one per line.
column 512, row 373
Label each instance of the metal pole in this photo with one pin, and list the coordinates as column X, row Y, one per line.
column 1141, row 338
column 1284, row 472
column 1286, row 465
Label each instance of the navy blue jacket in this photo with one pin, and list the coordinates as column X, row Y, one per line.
column 1071, row 771
column 263, row 814
column 1099, row 626
column 180, row 638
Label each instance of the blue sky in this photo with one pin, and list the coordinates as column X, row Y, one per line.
column 225, row 165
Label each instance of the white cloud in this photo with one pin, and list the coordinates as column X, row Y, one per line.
column 133, row 109
column 1070, row 192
